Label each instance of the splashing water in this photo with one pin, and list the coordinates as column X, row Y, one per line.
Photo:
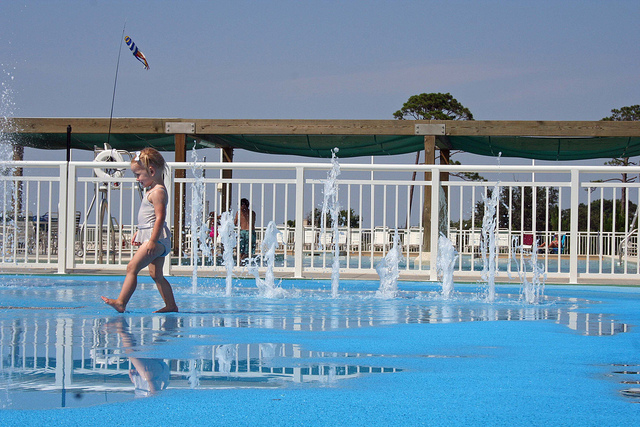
column 443, row 211
column 7, row 111
column 330, row 205
column 535, row 291
column 7, row 127
column 225, row 356
column 194, row 377
column 267, row 288
column 228, row 236
column 267, row 351
column 445, row 264
column 199, row 229
column 389, row 271
column 532, row 292
column 488, row 244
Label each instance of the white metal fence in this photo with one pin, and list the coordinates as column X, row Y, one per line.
column 61, row 217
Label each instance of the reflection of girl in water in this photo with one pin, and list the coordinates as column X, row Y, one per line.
column 149, row 376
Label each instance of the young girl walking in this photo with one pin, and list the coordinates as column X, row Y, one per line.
column 153, row 236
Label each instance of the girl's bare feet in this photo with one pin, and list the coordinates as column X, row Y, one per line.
column 173, row 309
column 119, row 307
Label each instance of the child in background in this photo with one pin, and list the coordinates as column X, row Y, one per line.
column 153, row 236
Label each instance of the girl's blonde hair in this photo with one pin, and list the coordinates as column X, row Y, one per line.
column 150, row 157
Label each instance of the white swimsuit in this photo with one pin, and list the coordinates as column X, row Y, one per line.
column 146, row 221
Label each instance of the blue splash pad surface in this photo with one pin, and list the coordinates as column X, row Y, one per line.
column 422, row 360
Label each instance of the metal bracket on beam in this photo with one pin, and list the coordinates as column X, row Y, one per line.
column 180, row 127
column 429, row 129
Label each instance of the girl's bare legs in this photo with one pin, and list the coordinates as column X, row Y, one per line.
column 139, row 261
column 166, row 292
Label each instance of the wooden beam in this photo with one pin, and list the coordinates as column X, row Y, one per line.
column 541, row 128
column 333, row 127
column 90, row 125
column 407, row 127
column 305, row 127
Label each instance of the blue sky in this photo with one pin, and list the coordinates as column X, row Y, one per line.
column 504, row 60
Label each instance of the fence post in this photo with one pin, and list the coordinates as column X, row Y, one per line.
column 171, row 210
column 573, row 226
column 71, row 217
column 64, row 198
column 298, row 249
column 434, row 225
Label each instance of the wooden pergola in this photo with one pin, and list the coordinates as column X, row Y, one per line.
column 171, row 135
column 557, row 140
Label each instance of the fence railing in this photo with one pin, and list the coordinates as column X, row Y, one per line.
column 59, row 216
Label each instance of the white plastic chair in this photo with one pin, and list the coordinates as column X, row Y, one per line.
column 415, row 239
column 309, row 238
column 326, row 239
column 503, row 242
column 355, row 240
column 381, row 239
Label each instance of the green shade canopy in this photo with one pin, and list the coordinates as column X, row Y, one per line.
column 544, row 140
column 321, row 145
column 129, row 142
column 300, row 145
column 542, row 148
column 548, row 148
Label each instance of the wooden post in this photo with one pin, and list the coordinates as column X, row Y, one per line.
column 179, row 198
column 445, row 159
column 18, row 155
column 227, row 157
column 427, row 212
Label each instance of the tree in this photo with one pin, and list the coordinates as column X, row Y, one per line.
column 607, row 207
column 519, row 209
column 344, row 218
column 433, row 106
column 437, row 106
column 624, row 114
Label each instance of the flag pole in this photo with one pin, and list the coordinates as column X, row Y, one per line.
column 115, row 82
